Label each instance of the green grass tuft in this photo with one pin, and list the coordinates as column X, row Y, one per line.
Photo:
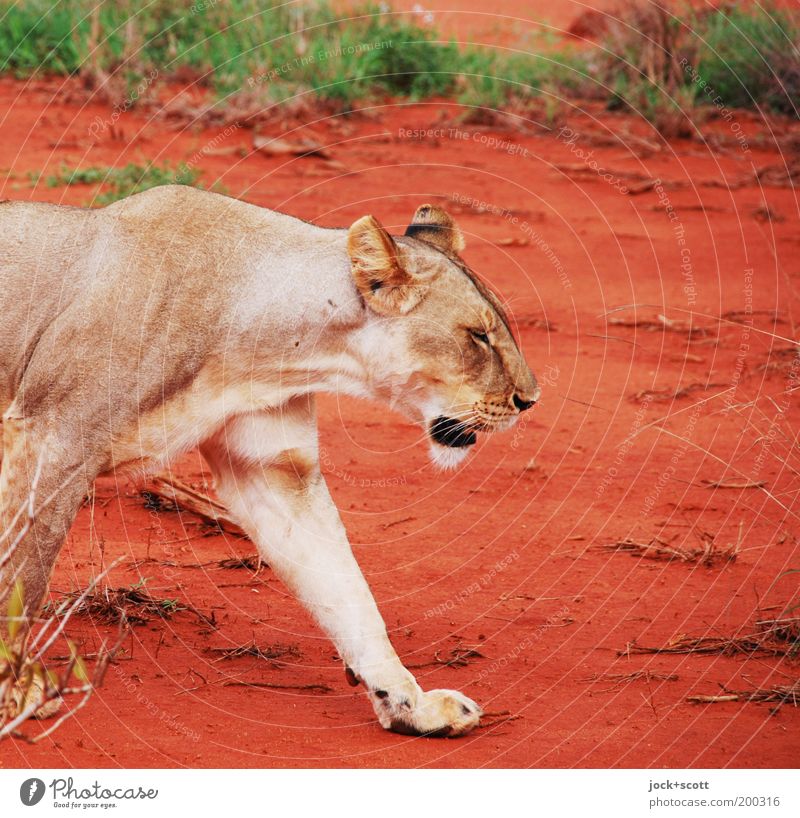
column 751, row 57
column 124, row 181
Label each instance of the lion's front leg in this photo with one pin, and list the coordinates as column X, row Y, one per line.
column 267, row 472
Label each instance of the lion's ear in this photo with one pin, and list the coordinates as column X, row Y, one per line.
column 384, row 284
column 437, row 227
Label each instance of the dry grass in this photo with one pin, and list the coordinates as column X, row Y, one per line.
column 270, row 653
column 130, row 604
column 252, row 562
column 783, row 630
column 459, row 656
column 745, row 53
column 765, row 641
column 317, row 688
column 616, row 680
column 644, row 45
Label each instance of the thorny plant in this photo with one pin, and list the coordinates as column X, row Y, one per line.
column 28, row 689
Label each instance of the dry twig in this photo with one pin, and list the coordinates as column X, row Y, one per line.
column 708, row 554
column 734, row 484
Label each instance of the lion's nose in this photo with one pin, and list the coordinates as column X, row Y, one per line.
column 522, row 404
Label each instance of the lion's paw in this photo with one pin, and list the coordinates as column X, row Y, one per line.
column 435, row 714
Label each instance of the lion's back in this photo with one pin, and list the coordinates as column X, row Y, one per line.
column 39, row 244
column 157, row 277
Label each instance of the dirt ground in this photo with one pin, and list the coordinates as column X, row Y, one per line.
column 683, row 428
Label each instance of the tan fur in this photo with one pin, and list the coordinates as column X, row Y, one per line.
column 180, row 318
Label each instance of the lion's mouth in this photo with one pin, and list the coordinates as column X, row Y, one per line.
column 452, row 433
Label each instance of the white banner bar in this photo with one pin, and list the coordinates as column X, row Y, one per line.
column 389, row 793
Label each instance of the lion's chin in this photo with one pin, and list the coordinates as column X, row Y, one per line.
column 447, row 458
column 450, row 442
column 452, row 433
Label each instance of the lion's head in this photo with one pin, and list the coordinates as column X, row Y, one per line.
column 440, row 342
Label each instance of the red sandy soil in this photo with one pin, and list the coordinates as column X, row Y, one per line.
column 504, row 555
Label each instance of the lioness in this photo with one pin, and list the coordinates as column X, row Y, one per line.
column 180, row 318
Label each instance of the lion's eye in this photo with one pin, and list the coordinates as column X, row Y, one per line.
column 480, row 336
